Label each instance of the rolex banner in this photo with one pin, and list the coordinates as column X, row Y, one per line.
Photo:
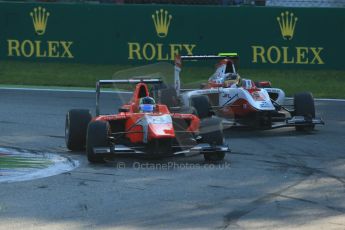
column 264, row 37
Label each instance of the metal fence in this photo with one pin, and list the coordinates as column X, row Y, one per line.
column 273, row 3
column 306, row 3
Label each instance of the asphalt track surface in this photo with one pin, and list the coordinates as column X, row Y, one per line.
column 276, row 179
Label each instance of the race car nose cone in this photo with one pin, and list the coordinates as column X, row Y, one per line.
column 161, row 131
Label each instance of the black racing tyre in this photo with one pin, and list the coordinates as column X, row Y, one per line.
column 168, row 97
column 211, row 131
column 304, row 106
column 97, row 136
column 76, row 124
column 202, row 105
column 188, row 110
column 155, row 90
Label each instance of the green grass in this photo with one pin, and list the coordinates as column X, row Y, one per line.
column 322, row 83
column 10, row 162
column 54, row 74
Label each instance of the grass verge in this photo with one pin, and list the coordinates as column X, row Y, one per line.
column 322, row 83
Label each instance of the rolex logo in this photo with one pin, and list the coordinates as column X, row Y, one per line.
column 287, row 22
column 161, row 20
column 39, row 18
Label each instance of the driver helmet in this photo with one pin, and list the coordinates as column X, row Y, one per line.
column 232, row 79
column 147, row 104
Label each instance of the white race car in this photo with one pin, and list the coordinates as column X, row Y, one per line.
column 240, row 101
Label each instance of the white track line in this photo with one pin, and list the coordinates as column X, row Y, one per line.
column 116, row 91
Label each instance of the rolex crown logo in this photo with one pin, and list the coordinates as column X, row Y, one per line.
column 162, row 21
column 287, row 22
column 39, row 18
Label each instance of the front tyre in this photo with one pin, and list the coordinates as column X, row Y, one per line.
column 97, row 136
column 76, row 124
column 304, row 106
column 202, row 106
column 211, row 132
column 214, row 157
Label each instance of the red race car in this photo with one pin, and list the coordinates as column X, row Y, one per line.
column 142, row 127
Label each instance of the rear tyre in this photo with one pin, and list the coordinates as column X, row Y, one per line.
column 97, row 136
column 76, row 124
column 212, row 133
column 304, row 106
column 188, row 110
column 202, row 106
column 168, row 96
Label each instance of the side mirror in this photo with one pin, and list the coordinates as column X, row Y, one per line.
column 123, row 110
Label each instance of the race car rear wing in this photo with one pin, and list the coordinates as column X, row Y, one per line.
column 179, row 59
column 208, row 57
column 127, row 81
column 130, row 81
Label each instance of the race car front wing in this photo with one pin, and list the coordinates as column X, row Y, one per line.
column 202, row 148
column 299, row 121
